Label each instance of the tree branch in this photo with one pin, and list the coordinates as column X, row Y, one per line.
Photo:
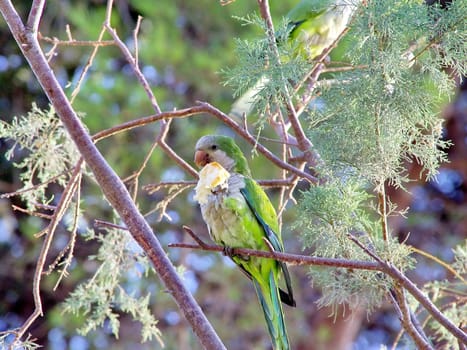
column 111, row 185
column 292, row 259
column 396, row 274
column 303, row 143
column 200, row 108
column 406, row 320
column 378, row 265
column 50, row 231
column 34, row 18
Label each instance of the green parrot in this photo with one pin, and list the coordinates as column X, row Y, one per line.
column 314, row 25
column 239, row 214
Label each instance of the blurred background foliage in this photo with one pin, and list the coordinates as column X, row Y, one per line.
column 182, row 48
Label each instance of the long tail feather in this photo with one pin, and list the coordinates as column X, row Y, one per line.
column 268, row 295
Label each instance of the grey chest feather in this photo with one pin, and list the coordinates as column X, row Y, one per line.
column 226, row 226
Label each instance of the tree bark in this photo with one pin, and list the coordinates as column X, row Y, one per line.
column 111, row 185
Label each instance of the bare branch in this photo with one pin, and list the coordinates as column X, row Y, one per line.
column 86, row 68
column 58, row 42
column 382, row 207
column 252, row 140
column 204, row 107
column 35, row 14
column 406, row 320
column 405, row 282
column 134, row 64
column 111, row 185
column 304, row 144
column 58, row 213
column 292, row 259
column 172, row 154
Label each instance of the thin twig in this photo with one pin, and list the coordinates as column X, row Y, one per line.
column 165, row 124
column 439, row 261
column 59, row 211
column 135, row 39
column 32, row 188
column 195, row 236
column 35, row 14
column 406, row 320
column 86, row 68
column 135, row 176
column 58, row 42
column 253, row 141
column 152, row 188
column 134, row 64
column 101, row 223
column 32, row 213
column 70, row 247
column 164, row 203
column 383, row 213
column 304, row 144
column 170, row 152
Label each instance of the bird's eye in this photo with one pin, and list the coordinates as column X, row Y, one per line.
column 214, row 147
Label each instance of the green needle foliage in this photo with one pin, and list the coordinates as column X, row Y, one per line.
column 387, row 113
column 278, row 70
column 333, row 211
column 366, row 124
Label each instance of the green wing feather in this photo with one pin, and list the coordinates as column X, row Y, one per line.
column 265, row 213
column 307, row 10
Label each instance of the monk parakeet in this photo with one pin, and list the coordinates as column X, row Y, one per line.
column 314, row 25
column 238, row 214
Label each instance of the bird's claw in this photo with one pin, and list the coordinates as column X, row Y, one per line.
column 228, row 251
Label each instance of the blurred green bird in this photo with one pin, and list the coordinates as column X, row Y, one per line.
column 239, row 214
column 314, row 25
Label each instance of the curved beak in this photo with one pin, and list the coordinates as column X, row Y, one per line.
column 201, row 158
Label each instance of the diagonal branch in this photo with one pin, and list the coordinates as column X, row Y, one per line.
column 378, row 265
column 406, row 319
column 200, row 108
column 111, row 185
column 405, row 282
column 303, row 143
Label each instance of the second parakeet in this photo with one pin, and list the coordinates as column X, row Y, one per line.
column 313, row 26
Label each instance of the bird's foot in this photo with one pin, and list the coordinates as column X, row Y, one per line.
column 230, row 252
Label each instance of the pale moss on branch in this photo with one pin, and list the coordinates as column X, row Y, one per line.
column 44, row 149
column 103, row 297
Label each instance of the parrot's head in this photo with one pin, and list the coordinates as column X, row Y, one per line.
column 223, row 150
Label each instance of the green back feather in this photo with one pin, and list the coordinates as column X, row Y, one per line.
column 228, row 145
column 266, row 215
column 307, row 10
